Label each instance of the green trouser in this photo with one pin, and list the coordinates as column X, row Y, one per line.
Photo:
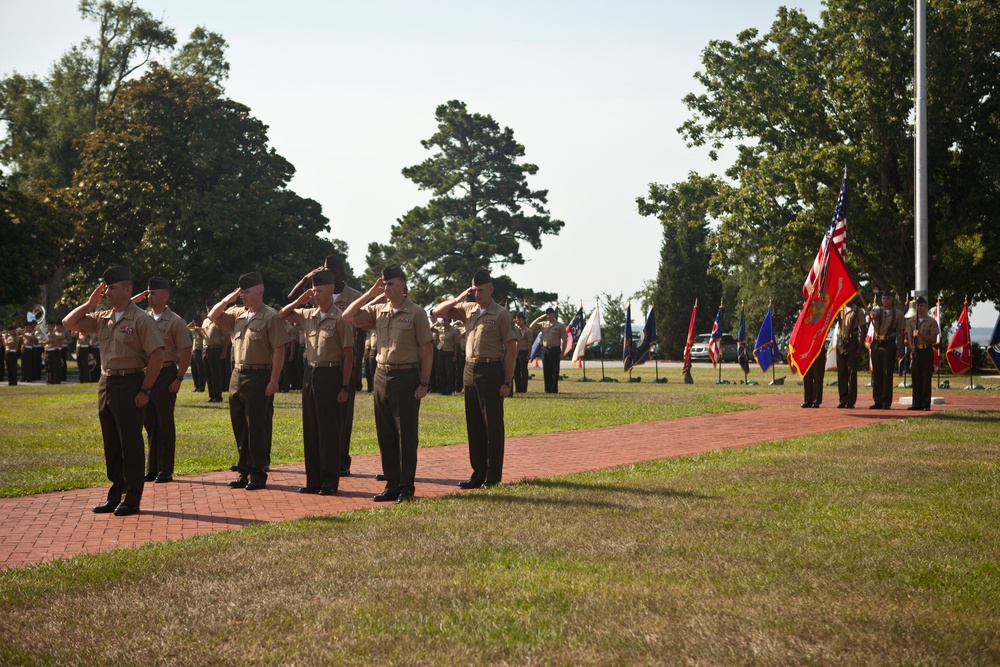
column 484, row 420
column 121, row 427
column 322, row 419
column 397, row 414
column 159, row 423
column 251, row 413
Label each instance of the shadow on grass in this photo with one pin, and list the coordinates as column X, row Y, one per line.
column 990, row 417
column 581, row 486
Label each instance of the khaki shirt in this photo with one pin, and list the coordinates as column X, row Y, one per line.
column 83, row 339
column 174, row 333
column 398, row 336
column 197, row 336
column 524, row 338
column 553, row 333
column 254, row 340
column 888, row 323
column 850, row 320
column 370, row 345
column 57, row 339
column 346, row 297
column 214, row 333
column 28, row 338
column 926, row 328
column 486, row 332
column 326, row 337
column 11, row 340
column 447, row 340
column 126, row 344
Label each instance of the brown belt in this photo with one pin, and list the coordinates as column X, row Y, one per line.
column 122, row 371
column 254, row 367
column 398, row 367
column 213, row 347
column 324, row 364
column 482, row 360
column 923, row 347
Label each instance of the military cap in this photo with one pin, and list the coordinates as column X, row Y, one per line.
column 252, row 279
column 481, row 277
column 323, row 278
column 393, row 271
column 334, row 262
column 922, row 300
column 158, row 283
column 550, row 311
column 522, row 315
column 117, row 274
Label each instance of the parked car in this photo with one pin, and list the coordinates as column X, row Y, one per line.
column 699, row 349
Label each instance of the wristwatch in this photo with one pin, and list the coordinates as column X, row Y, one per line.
column 423, row 384
column 144, row 391
column 346, row 387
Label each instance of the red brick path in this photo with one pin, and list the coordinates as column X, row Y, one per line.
column 36, row 529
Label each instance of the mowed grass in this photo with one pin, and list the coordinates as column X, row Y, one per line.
column 877, row 545
column 50, row 436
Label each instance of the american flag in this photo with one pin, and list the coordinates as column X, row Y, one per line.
column 837, row 232
column 715, row 343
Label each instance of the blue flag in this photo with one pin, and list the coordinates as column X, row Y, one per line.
column 765, row 349
column 643, row 350
column 994, row 349
column 627, row 341
column 573, row 332
column 536, row 347
column 741, row 342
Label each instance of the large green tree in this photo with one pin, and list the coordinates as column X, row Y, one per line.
column 805, row 100
column 480, row 212
column 181, row 182
column 685, row 210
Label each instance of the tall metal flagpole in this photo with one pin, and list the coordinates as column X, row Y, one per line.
column 920, row 166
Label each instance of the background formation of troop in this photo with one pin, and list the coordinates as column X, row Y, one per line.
column 323, row 342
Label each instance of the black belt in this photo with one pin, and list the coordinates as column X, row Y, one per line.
column 923, row 347
column 254, row 367
column 398, row 367
column 482, row 360
column 213, row 347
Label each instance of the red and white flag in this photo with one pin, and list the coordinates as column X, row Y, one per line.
column 836, row 235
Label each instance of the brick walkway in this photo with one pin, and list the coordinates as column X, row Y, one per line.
column 37, row 529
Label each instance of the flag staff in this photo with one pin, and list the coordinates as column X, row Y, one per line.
column 937, row 344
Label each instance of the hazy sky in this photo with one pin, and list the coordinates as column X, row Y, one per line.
column 592, row 90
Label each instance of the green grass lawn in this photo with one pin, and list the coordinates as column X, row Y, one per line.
column 876, row 545
column 50, row 437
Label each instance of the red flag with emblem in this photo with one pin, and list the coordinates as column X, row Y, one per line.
column 835, row 287
column 960, row 345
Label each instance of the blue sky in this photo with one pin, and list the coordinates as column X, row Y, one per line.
column 591, row 89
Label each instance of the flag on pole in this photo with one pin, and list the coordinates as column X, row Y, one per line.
column 836, row 235
column 591, row 334
column 937, row 341
column 536, row 347
column 993, row 351
column 959, row 347
column 627, row 339
column 642, row 351
column 741, row 341
column 690, row 340
column 834, row 288
column 715, row 343
column 765, row 349
column 831, row 347
column 573, row 331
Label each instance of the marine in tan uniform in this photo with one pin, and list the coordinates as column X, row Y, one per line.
column 28, row 341
column 217, row 343
column 444, row 356
column 850, row 320
column 159, row 419
column 922, row 331
column 12, row 350
column 198, row 372
column 83, row 356
column 131, row 356
column 401, row 379
column 371, row 351
column 329, row 350
column 259, row 338
column 553, row 340
column 524, row 341
column 889, row 330
column 490, row 355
